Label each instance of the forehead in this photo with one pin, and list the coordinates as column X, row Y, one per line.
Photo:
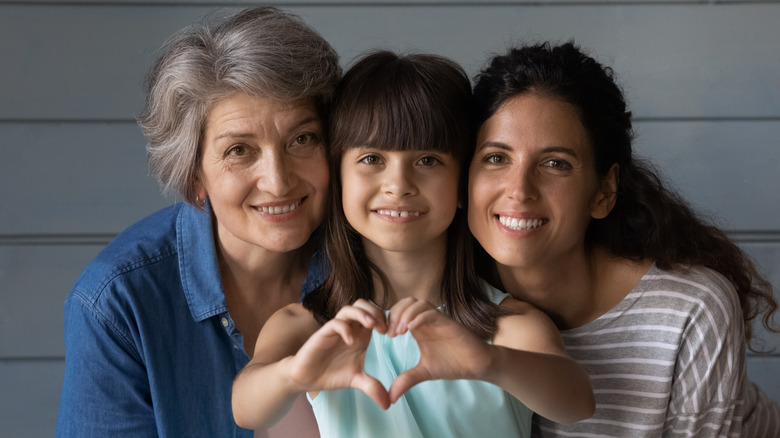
column 532, row 119
column 243, row 111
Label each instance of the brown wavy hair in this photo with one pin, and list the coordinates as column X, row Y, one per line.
column 649, row 220
column 401, row 103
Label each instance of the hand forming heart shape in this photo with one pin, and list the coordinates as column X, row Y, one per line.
column 333, row 357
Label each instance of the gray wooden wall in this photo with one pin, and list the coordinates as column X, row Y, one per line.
column 703, row 79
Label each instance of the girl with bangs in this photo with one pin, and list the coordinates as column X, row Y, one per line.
column 402, row 308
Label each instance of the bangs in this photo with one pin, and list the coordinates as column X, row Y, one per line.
column 382, row 120
column 395, row 105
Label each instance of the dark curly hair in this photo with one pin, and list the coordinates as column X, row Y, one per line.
column 649, row 220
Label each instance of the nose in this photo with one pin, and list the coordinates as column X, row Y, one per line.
column 276, row 174
column 398, row 180
column 522, row 184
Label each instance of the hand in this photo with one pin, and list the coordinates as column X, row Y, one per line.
column 447, row 349
column 332, row 358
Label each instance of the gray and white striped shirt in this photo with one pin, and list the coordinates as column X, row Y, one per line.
column 669, row 360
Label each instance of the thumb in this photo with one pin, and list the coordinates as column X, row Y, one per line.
column 374, row 389
column 405, row 381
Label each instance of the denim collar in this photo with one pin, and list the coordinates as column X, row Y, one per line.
column 199, row 269
column 198, row 265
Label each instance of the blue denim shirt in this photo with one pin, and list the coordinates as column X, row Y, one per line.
column 150, row 347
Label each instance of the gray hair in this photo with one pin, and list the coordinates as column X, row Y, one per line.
column 263, row 51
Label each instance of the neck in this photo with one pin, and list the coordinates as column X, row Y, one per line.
column 258, row 282
column 250, row 268
column 590, row 286
column 415, row 273
column 568, row 299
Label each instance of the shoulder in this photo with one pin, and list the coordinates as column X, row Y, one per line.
column 291, row 313
column 293, row 319
column 521, row 314
column 148, row 242
column 284, row 333
column 694, row 289
column 525, row 327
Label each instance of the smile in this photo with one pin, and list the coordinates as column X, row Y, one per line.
column 395, row 213
column 514, row 223
column 279, row 209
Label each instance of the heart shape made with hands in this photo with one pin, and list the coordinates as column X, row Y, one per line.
column 334, row 356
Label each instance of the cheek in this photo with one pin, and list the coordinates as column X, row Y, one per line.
column 350, row 191
column 320, row 177
column 478, row 189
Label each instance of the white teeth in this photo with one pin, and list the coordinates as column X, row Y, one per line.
column 520, row 224
column 280, row 209
column 395, row 213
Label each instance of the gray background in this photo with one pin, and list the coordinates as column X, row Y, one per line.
column 703, row 80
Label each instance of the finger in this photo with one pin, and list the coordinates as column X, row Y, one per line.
column 411, row 312
column 365, row 318
column 380, row 321
column 425, row 316
column 372, row 388
column 405, row 382
column 396, row 311
column 340, row 327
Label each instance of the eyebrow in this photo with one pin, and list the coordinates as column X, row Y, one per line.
column 235, row 134
column 506, row 147
column 494, row 144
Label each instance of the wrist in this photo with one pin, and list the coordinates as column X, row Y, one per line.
column 489, row 369
column 291, row 375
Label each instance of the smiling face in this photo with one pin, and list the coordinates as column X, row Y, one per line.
column 533, row 187
column 265, row 172
column 399, row 201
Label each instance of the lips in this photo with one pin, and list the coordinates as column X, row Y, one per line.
column 279, row 209
column 398, row 213
column 514, row 223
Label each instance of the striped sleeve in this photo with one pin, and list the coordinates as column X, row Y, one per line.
column 668, row 360
column 706, row 397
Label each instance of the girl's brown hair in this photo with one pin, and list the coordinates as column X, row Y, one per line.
column 401, row 103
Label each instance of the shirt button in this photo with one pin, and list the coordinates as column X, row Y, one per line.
column 225, row 322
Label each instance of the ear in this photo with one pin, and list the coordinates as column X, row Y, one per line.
column 200, row 192
column 606, row 197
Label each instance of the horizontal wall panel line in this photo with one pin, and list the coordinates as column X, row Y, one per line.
column 86, row 120
column 705, row 119
column 55, row 239
column 32, row 359
column 382, row 3
column 763, row 236
column 81, row 121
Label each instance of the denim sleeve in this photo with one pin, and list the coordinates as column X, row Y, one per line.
column 105, row 391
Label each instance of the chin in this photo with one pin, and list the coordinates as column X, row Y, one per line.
column 285, row 243
column 503, row 255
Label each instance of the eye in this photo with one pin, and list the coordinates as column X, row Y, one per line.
column 236, row 151
column 371, row 160
column 494, row 159
column 428, row 161
column 558, row 164
column 306, row 139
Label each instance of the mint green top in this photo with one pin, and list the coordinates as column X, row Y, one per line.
column 438, row 408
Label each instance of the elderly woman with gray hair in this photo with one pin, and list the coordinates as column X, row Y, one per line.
column 158, row 325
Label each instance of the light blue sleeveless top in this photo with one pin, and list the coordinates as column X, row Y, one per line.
column 438, row 408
